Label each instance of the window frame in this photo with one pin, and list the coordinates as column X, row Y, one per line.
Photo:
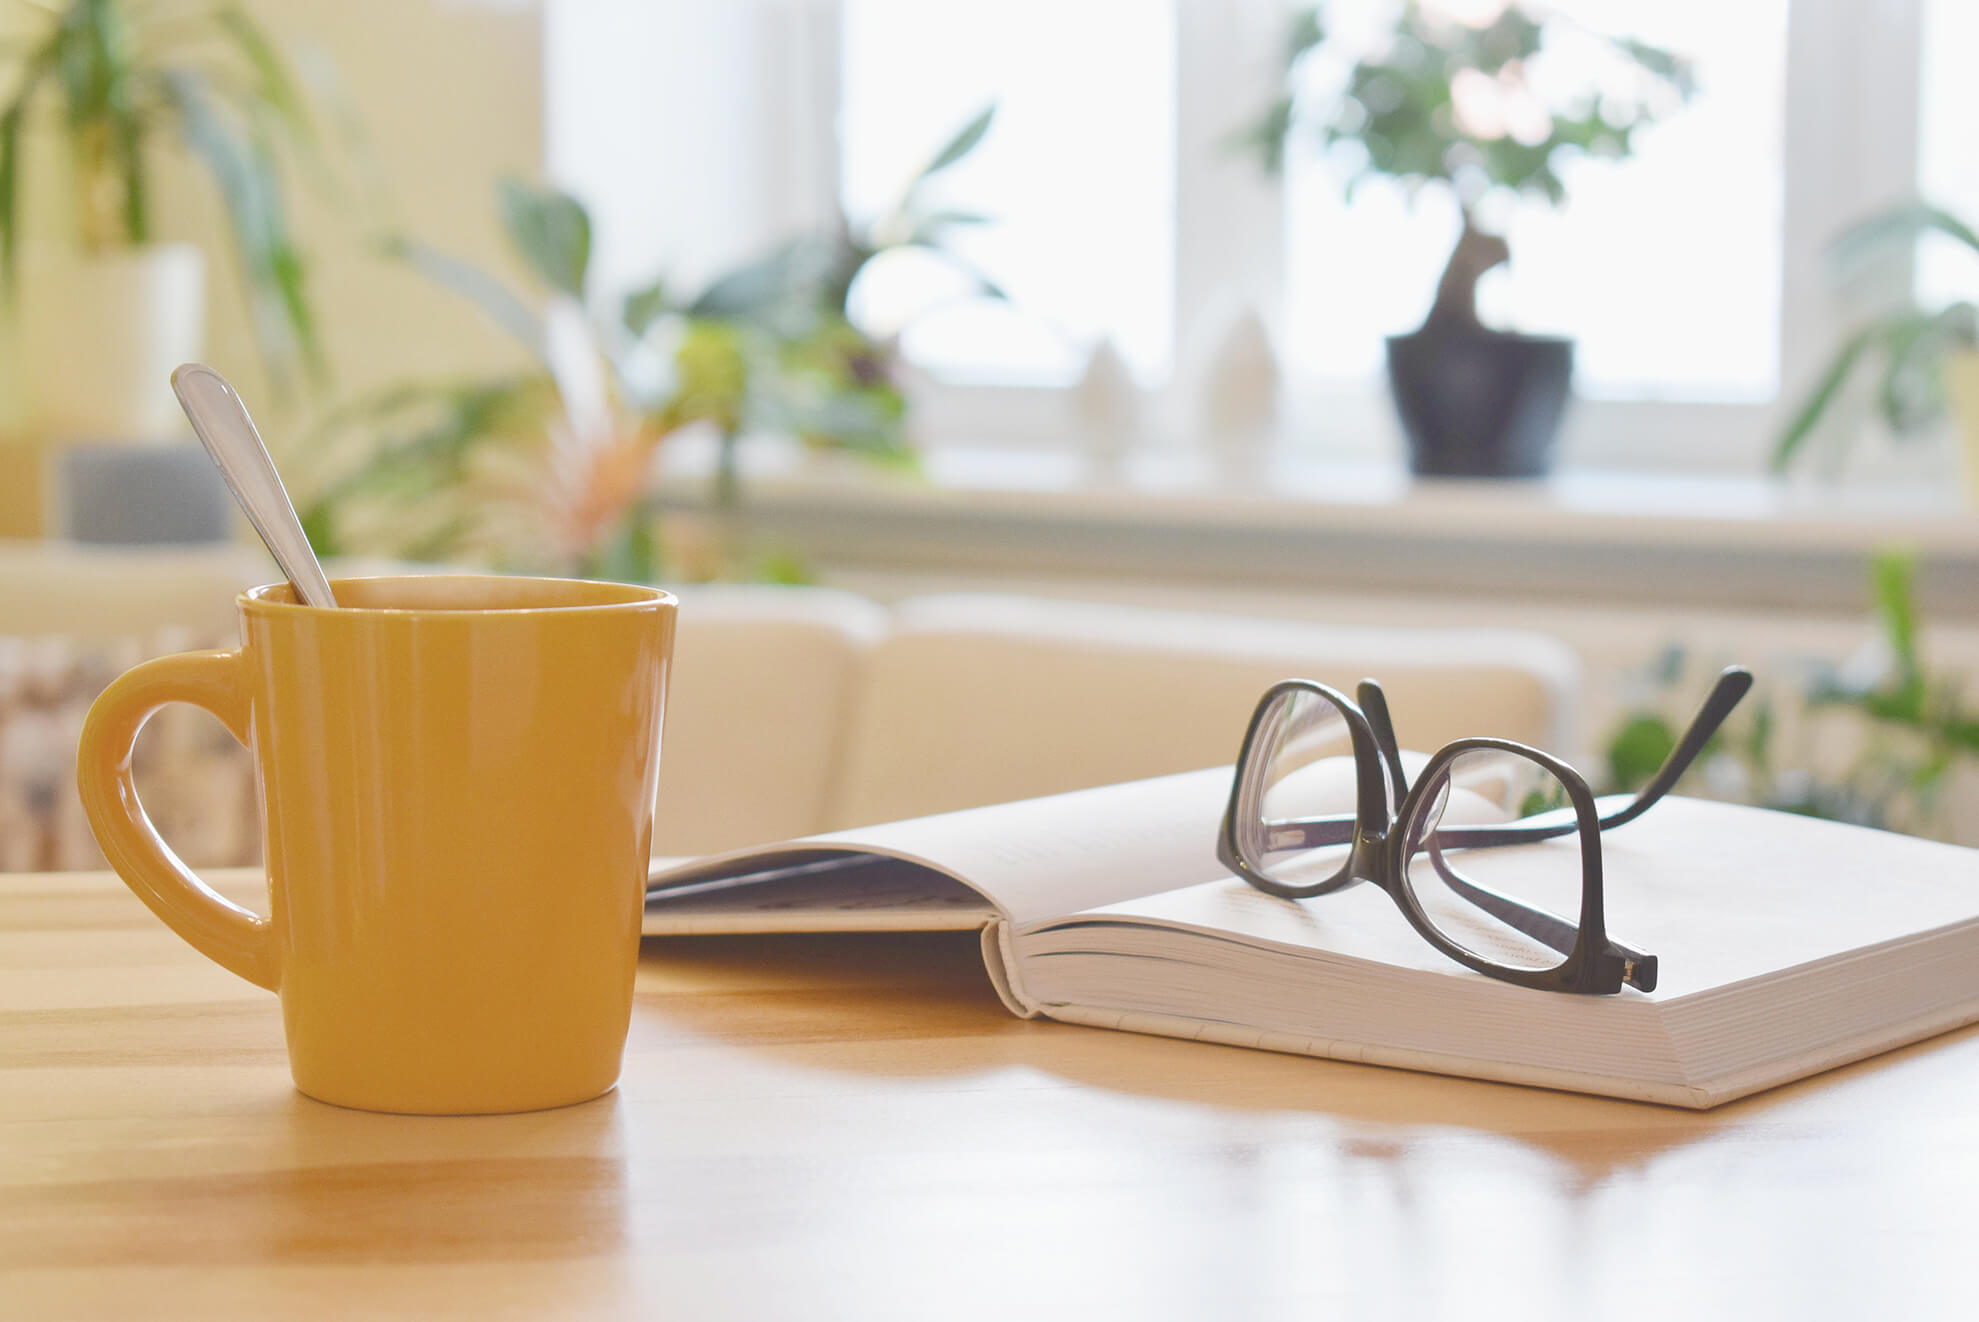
column 1850, row 145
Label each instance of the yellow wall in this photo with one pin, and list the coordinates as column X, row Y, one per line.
column 450, row 94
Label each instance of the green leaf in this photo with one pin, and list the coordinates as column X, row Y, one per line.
column 552, row 232
column 286, row 280
column 1894, row 576
column 493, row 297
column 961, row 144
column 1538, row 801
column 712, row 373
column 1266, row 135
column 1635, row 751
column 10, row 166
column 1679, row 72
column 438, row 542
column 1668, row 667
column 630, row 554
column 867, row 421
column 948, row 216
column 128, row 133
column 1759, row 736
column 1927, row 775
column 1809, row 415
column 244, row 173
column 1308, row 30
column 1911, row 395
column 1901, row 705
column 985, row 287
column 1899, row 225
column 11, row 122
column 319, row 525
column 426, row 434
column 643, row 307
column 786, row 568
column 755, row 289
column 1962, row 732
column 1398, row 105
column 928, row 228
column 275, row 88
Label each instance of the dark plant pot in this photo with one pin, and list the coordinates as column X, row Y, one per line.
column 1479, row 403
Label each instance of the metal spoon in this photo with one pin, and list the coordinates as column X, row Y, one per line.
column 229, row 436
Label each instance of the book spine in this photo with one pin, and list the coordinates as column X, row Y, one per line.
column 1001, row 964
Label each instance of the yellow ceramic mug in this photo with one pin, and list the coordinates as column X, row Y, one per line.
column 457, row 781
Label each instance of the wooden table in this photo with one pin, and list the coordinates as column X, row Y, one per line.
column 851, row 1127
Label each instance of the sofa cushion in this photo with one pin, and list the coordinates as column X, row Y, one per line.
column 975, row 699
column 109, row 593
column 761, row 679
column 791, row 710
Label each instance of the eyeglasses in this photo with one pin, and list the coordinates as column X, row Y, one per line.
column 1305, row 819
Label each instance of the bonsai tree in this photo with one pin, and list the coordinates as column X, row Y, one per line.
column 1454, row 105
column 1905, row 347
column 123, row 74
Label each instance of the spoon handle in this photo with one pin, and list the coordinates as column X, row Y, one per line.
column 228, row 433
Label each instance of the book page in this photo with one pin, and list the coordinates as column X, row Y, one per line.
column 1033, row 859
column 811, row 890
column 1718, row 892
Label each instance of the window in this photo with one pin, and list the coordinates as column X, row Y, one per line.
column 1692, row 276
column 1947, row 164
column 1078, row 175
column 1691, row 222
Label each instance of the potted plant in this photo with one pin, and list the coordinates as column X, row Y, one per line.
column 1453, row 104
column 1910, row 728
column 105, row 318
column 1925, row 360
column 550, row 468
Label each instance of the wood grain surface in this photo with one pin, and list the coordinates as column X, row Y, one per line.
column 827, row 1127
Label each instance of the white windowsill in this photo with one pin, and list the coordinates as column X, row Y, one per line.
column 1624, row 537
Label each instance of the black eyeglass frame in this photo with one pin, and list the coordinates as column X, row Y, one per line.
column 1593, row 963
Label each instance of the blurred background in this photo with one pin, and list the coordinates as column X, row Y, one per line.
column 1646, row 327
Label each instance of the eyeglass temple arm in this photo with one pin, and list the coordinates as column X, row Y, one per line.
column 1549, row 929
column 1732, row 686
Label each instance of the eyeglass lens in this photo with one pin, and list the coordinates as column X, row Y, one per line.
column 1461, row 890
column 1298, row 823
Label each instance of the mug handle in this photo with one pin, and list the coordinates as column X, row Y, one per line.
column 237, row 939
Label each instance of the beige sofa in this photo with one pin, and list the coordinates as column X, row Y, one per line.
column 794, row 710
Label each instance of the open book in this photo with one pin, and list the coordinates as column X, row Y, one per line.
column 1787, row 945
